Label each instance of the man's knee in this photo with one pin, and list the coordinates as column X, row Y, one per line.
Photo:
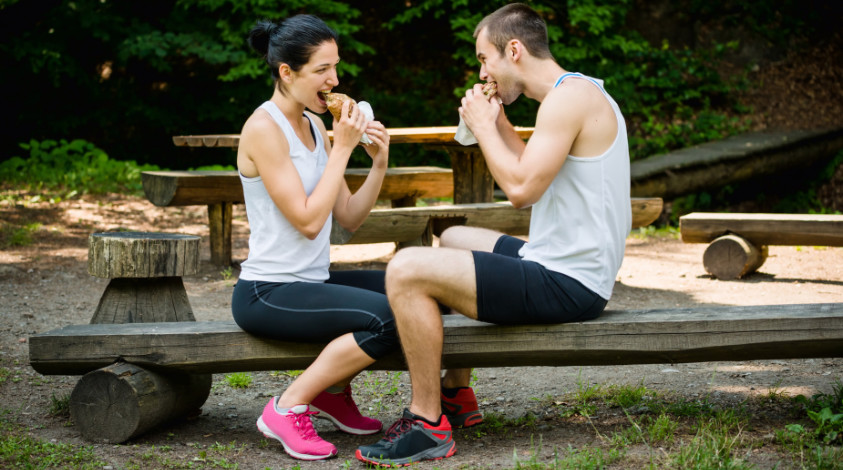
column 403, row 266
column 453, row 236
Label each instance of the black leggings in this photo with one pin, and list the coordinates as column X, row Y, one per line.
column 348, row 302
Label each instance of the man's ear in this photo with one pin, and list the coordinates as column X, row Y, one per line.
column 514, row 49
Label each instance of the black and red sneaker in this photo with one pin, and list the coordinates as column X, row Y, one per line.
column 411, row 439
column 460, row 406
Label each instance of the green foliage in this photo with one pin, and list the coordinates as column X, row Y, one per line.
column 129, row 75
column 826, row 412
column 75, row 167
column 239, row 380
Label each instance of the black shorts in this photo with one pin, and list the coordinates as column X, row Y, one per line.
column 348, row 302
column 512, row 291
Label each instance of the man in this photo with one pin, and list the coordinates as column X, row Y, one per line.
column 573, row 171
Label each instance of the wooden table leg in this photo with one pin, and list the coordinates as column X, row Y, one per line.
column 472, row 180
column 219, row 222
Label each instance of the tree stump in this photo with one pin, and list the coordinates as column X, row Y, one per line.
column 121, row 401
column 145, row 271
column 732, row 257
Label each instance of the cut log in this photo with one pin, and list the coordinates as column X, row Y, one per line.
column 146, row 270
column 142, row 254
column 121, row 401
column 732, row 257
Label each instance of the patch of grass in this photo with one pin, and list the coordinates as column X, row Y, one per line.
column 582, row 458
column 718, row 443
column 4, row 374
column 379, row 385
column 627, row 396
column 653, row 231
column 239, row 380
column 18, row 450
column 18, row 236
column 60, row 406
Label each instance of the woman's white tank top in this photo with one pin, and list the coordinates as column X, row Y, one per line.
column 277, row 251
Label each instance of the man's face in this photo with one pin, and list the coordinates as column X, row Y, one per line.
column 494, row 67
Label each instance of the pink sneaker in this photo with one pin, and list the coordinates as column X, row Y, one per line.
column 295, row 432
column 342, row 411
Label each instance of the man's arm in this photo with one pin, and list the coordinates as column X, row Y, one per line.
column 524, row 176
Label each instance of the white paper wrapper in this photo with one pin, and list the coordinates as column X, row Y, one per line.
column 366, row 109
column 464, row 134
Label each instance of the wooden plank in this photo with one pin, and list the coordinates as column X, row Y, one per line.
column 187, row 188
column 764, row 229
column 407, row 182
column 663, row 336
column 397, row 135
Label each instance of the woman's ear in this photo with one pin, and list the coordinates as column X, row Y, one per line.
column 285, row 73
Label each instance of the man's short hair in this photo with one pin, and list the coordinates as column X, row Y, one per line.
column 516, row 21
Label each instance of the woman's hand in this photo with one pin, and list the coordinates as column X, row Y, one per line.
column 378, row 150
column 349, row 129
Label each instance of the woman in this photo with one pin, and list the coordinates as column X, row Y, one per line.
column 293, row 182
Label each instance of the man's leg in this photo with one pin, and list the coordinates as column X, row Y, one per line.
column 466, row 238
column 416, row 279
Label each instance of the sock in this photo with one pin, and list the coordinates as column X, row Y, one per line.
column 420, row 418
column 451, row 392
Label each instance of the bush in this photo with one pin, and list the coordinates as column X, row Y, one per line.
column 74, row 167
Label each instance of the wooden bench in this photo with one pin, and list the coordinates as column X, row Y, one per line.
column 219, row 190
column 416, row 225
column 403, row 223
column 154, row 372
column 738, row 241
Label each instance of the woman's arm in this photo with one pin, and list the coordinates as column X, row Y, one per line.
column 351, row 210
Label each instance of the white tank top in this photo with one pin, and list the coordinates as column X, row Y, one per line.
column 277, row 251
column 579, row 225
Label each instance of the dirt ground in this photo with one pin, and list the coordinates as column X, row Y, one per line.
column 45, row 285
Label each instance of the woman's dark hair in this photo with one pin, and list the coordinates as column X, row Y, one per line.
column 290, row 42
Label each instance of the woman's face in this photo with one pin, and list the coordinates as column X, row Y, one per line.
column 318, row 74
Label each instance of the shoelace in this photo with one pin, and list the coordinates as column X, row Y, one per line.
column 305, row 425
column 350, row 401
column 398, row 428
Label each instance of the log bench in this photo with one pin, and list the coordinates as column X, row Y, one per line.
column 144, row 372
column 220, row 190
column 738, row 241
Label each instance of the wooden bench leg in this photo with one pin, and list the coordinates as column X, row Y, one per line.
column 732, row 257
column 121, row 401
column 219, row 221
column 128, row 300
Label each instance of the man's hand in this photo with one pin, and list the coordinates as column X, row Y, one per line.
column 479, row 110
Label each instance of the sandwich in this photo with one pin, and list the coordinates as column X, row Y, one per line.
column 490, row 88
column 335, row 102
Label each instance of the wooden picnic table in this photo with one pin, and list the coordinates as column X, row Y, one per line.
column 473, row 181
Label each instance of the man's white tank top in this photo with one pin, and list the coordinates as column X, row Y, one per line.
column 579, row 225
column 277, row 251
